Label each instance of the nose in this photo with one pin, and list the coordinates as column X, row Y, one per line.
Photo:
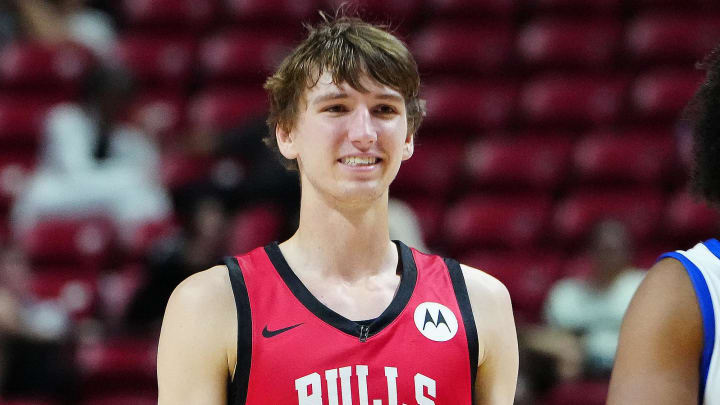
column 362, row 132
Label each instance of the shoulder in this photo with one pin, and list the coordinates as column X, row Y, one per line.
column 484, row 287
column 667, row 288
column 203, row 291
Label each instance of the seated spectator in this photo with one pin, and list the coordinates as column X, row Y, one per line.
column 94, row 164
column 35, row 336
column 593, row 308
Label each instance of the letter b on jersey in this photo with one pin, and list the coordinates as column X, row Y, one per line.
column 309, row 389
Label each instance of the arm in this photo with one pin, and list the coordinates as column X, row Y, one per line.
column 661, row 341
column 497, row 339
column 197, row 342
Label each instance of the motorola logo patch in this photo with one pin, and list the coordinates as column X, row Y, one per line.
column 436, row 321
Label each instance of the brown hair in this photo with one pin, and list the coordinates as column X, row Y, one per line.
column 347, row 48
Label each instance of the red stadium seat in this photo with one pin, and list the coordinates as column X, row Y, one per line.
column 429, row 212
column 540, row 162
column 221, row 109
column 580, row 392
column 115, row 365
column 561, row 42
column 606, row 6
column 27, row 401
column 76, row 288
column 528, row 278
column 689, row 219
column 22, row 119
column 573, row 100
column 474, row 8
column 160, row 114
column 157, row 60
column 445, row 47
column 516, row 221
column 178, row 169
column 188, row 14
column 432, row 169
column 83, row 242
column 646, row 157
column 658, row 37
column 640, row 210
column 40, row 66
column 254, row 227
column 242, row 56
column 664, row 94
column 122, row 399
column 288, row 10
column 380, row 10
column 468, row 105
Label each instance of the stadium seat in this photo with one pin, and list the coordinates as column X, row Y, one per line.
column 157, row 61
column 153, row 14
column 225, row 108
column 433, row 169
column 402, row 12
column 471, row 8
column 640, row 210
column 577, row 6
column 275, row 10
column 457, row 48
column 671, row 37
column 578, row 392
column 551, row 41
column 22, row 119
column 539, row 162
column 573, row 100
column 664, row 94
column 688, row 219
column 429, row 212
column 516, row 221
column 118, row 365
column 242, row 56
column 178, row 169
column 160, row 114
column 253, row 227
column 84, row 242
column 468, row 105
column 122, row 399
column 27, row 401
column 39, row 66
column 528, row 278
column 643, row 157
column 75, row 288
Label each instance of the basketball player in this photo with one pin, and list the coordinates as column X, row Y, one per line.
column 668, row 350
column 339, row 314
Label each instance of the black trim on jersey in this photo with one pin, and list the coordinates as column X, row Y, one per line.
column 461, row 294
column 402, row 297
column 238, row 386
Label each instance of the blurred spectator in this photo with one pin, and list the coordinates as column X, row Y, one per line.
column 175, row 258
column 93, row 164
column 35, row 336
column 593, row 308
column 404, row 225
column 53, row 21
column 9, row 22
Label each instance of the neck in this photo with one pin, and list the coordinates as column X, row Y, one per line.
column 346, row 241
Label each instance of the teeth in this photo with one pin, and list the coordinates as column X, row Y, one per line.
column 356, row 161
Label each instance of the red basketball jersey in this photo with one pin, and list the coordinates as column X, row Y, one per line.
column 292, row 349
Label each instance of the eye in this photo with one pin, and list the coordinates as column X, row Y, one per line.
column 386, row 109
column 337, row 108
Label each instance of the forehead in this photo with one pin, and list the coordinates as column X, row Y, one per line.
column 325, row 85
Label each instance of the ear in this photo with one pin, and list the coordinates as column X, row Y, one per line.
column 408, row 147
column 285, row 143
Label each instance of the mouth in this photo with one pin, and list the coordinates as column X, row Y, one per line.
column 357, row 161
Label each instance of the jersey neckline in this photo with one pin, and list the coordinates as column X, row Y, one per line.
column 408, row 279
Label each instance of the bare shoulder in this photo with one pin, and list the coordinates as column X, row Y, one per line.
column 203, row 291
column 668, row 291
column 484, row 288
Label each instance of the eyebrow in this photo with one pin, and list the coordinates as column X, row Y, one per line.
column 341, row 95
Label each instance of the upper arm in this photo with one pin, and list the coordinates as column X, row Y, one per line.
column 661, row 340
column 498, row 355
column 195, row 340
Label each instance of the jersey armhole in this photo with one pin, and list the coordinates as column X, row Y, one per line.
column 238, row 385
column 463, row 300
column 707, row 311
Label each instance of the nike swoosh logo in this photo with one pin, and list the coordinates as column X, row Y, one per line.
column 270, row 333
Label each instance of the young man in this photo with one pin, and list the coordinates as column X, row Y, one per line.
column 339, row 314
column 668, row 350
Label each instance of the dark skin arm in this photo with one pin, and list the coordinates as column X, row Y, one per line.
column 661, row 341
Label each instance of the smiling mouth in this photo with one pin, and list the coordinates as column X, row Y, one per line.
column 359, row 161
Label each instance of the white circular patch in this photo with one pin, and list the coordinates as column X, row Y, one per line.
column 436, row 321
